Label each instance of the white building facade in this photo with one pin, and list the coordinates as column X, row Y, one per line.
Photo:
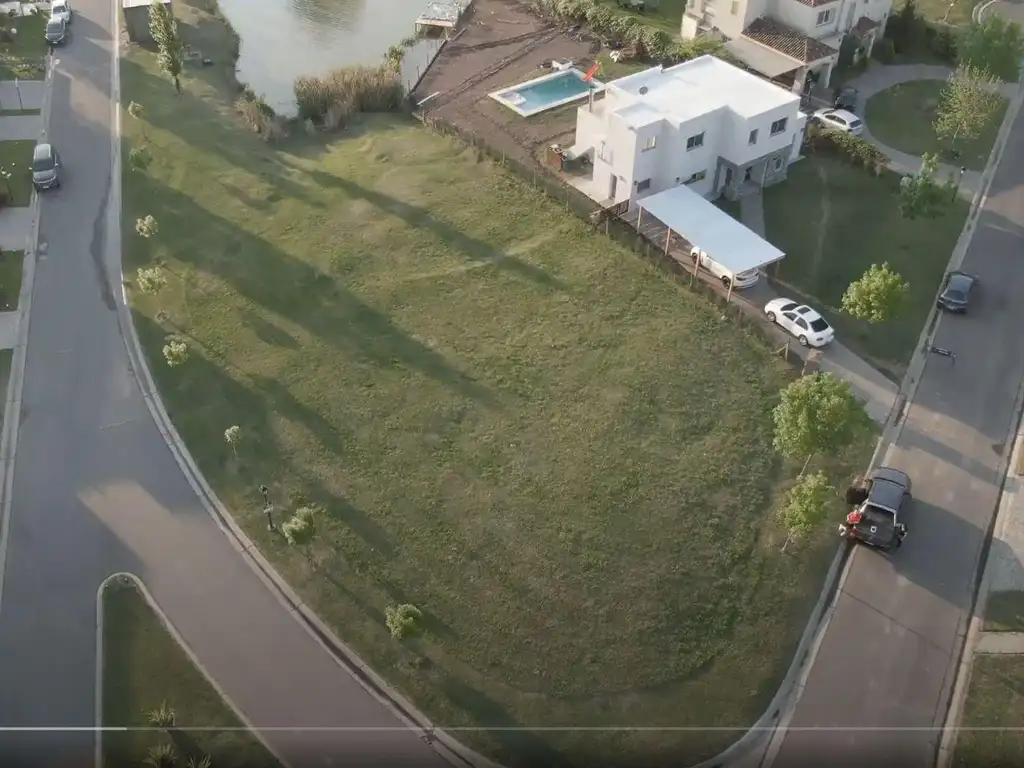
column 788, row 38
column 704, row 123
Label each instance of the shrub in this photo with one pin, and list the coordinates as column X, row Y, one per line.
column 260, row 117
column 853, row 149
column 402, row 621
column 352, row 89
column 884, row 51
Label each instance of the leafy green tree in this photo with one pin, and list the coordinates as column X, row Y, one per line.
column 968, row 103
column 139, row 159
column 300, row 530
column 170, row 51
column 806, row 507
column 138, row 113
column 147, row 227
column 878, row 295
column 921, row 195
column 818, row 414
column 233, row 436
column 175, row 352
column 994, row 45
column 402, row 621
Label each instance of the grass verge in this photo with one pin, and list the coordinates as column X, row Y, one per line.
column 956, row 14
column 144, row 669
column 1004, row 612
column 833, row 221
column 666, row 15
column 553, row 449
column 903, row 117
column 24, row 57
column 11, row 263
column 16, row 159
column 995, row 707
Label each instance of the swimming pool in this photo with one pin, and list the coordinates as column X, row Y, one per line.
column 546, row 92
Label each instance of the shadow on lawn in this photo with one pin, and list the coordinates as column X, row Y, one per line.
column 299, row 292
column 421, row 218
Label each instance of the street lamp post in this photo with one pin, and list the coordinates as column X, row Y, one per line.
column 268, row 507
column 959, row 180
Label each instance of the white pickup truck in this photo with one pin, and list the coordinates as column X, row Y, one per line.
column 729, row 280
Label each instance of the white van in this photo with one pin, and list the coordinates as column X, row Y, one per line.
column 739, row 281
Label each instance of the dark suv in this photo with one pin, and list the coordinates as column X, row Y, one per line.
column 956, row 291
column 45, row 167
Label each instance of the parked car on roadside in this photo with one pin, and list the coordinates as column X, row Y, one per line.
column 45, row 167
column 846, row 99
column 56, row 31
column 810, row 328
column 61, row 9
column 839, row 120
column 956, row 291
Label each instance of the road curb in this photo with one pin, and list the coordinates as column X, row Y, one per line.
column 16, row 381
column 131, row 579
column 446, row 746
column 980, row 9
column 783, row 705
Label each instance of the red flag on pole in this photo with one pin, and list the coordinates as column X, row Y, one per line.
column 591, row 72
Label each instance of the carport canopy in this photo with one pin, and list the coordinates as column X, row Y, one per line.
column 761, row 58
column 706, row 226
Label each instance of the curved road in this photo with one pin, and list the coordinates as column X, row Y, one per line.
column 96, row 490
column 880, row 685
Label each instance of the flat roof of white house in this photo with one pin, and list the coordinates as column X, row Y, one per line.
column 711, row 229
column 700, row 86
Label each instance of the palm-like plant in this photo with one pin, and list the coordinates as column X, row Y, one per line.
column 200, row 762
column 161, row 756
column 162, row 717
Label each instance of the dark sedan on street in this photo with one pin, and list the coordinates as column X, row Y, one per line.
column 846, row 98
column 956, row 291
column 56, row 31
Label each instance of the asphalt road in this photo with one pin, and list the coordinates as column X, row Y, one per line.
column 97, row 491
column 880, row 685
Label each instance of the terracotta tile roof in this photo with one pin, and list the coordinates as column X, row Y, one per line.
column 864, row 25
column 787, row 40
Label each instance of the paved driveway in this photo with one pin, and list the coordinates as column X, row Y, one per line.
column 96, row 490
column 880, row 684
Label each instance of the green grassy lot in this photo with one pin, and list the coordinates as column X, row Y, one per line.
column 10, row 279
column 666, row 16
column 613, row 70
column 24, row 56
column 903, row 116
column 555, row 450
column 144, row 668
column 16, row 159
column 834, row 221
column 1004, row 612
column 995, row 707
column 938, row 10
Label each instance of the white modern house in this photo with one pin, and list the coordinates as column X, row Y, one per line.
column 787, row 39
column 706, row 124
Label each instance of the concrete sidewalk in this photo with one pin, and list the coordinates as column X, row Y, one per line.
column 20, row 127
column 15, row 227
column 21, row 94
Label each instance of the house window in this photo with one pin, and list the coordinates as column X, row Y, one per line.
column 603, row 153
column 650, row 143
column 777, row 164
column 826, row 16
column 695, row 141
column 753, row 137
column 643, row 186
column 779, row 126
column 698, row 176
column 735, row 7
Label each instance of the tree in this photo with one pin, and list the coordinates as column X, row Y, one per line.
column 161, row 756
column 232, row 435
column 402, row 621
column 147, row 227
column 968, row 103
column 921, row 195
column 906, row 28
column 817, row 414
column 175, row 352
column 151, row 280
column 138, row 113
column 847, row 51
column 139, row 159
column 994, row 45
column 806, row 507
column 171, row 53
column 877, row 296
column 162, row 717
column 300, row 530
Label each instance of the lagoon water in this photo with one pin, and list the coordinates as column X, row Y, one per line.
column 283, row 39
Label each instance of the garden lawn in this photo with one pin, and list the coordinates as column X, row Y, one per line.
column 833, row 221
column 16, row 159
column 1004, row 612
column 666, row 15
column 556, row 451
column 995, row 703
column 10, row 279
column 24, row 57
column 903, row 116
column 145, row 668
column 959, row 15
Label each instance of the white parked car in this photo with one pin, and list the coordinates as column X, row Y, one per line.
column 729, row 280
column 810, row 328
column 840, row 120
column 61, row 9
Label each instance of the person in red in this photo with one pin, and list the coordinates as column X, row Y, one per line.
column 854, row 517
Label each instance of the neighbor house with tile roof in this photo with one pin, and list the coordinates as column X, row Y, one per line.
column 786, row 40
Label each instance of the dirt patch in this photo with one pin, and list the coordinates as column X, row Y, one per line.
column 504, row 43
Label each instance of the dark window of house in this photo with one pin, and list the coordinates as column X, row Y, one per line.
column 779, row 126
column 695, row 141
column 753, row 137
column 643, row 186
